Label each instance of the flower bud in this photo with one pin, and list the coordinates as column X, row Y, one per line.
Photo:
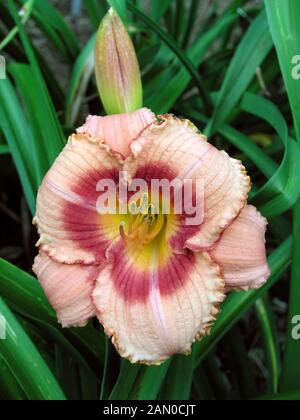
column 117, row 69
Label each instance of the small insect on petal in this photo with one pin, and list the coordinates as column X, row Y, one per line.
column 117, row 69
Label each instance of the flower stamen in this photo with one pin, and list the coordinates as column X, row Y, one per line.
column 144, row 223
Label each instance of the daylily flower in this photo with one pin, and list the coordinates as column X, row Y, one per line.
column 155, row 285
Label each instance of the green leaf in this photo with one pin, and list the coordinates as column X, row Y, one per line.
column 120, row 7
column 240, row 366
column 104, row 394
column 179, row 52
column 178, row 381
column 41, row 110
column 44, row 149
column 181, row 21
column 27, row 10
column 149, row 382
column 19, row 139
column 281, row 192
column 267, row 323
column 25, row 362
column 9, row 387
column 159, row 8
column 4, row 149
column 126, row 380
column 18, row 287
column 202, row 386
column 217, row 380
column 251, row 52
column 283, row 21
column 81, row 75
column 39, row 87
column 55, row 28
column 284, row 396
column 23, row 293
column 172, row 82
column 96, row 11
column 138, row 382
column 191, row 21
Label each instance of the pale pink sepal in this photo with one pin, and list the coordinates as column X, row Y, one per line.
column 241, row 252
column 118, row 131
column 68, row 288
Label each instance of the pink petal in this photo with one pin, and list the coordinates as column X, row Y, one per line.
column 154, row 312
column 175, row 146
column 118, row 131
column 68, row 288
column 71, row 229
column 241, row 252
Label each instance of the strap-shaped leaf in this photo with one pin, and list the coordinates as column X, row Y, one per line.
column 283, row 20
column 24, row 360
column 251, row 52
column 282, row 191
